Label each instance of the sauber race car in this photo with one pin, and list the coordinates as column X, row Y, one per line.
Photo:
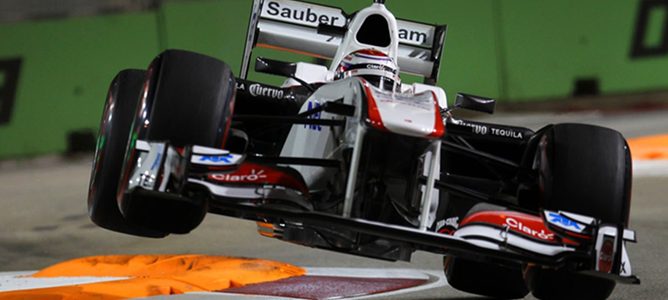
column 351, row 159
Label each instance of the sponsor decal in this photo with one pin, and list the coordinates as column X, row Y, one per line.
column 529, row 225
column 564, row 221
column 146, row 181
column 415, row 33
column 302, row 13
column 481, row 129
column 623, row 268
column 311, row 15
column 506, row 133
column 256, row 174
column 156, row 162
column 252, row 176
column 606, row 255
column 257, row 89
column 224, row 158
column 476, row 128
column 313, row 105
column 448, row 225
column 520, row 226
column 452, row 222
column 413, row 36
column 375, row 66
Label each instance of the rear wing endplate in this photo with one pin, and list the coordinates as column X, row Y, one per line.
column 291, row 25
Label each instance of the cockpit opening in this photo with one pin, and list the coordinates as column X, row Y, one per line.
column 375, row 31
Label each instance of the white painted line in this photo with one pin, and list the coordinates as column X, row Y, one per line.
column 17, row 281
column 216, row 296
column 17, row 273
column 367, row 273
column 650, row 168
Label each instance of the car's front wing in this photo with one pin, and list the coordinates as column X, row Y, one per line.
column 586, row 242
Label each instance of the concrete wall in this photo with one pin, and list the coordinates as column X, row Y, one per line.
column 513, row 50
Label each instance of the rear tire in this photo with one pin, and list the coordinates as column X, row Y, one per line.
column 188, row 100
column 115, row 125
column 584, row 169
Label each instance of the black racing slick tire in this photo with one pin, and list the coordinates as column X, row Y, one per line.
column 188, row 100
column 117, row 116
column 583, row 169
column 549, row 284
column 485, row 278
column 586, row 169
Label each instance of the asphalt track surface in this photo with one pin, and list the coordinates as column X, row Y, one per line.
column 43, row 219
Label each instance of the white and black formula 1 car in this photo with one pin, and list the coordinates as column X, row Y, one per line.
column 349, row 158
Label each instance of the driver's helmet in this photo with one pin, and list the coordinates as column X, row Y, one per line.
column 375, row 66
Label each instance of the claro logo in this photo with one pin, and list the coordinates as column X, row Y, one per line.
column 263, row 91
column 518, row 225
column 252, row 176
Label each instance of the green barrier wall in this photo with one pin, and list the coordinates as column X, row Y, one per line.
column 66, row 69
column 547, row 45
column 513, row 50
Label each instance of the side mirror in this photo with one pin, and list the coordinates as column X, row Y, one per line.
column 280, row 68
column 477, row 103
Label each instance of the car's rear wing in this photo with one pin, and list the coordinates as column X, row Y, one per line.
column 293, row 26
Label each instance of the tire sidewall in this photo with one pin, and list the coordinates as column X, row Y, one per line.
column 113, row 134
column 187, row 99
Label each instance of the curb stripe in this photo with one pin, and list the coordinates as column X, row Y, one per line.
column 153, row 275
column 327, row 287
column 653, row 147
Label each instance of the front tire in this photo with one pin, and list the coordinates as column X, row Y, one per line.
column 586, row 170
column 188, row 99
column 119, row 110
column 485, row 278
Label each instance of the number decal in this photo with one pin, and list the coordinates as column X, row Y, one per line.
column 9, row 77
column 648, row 9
